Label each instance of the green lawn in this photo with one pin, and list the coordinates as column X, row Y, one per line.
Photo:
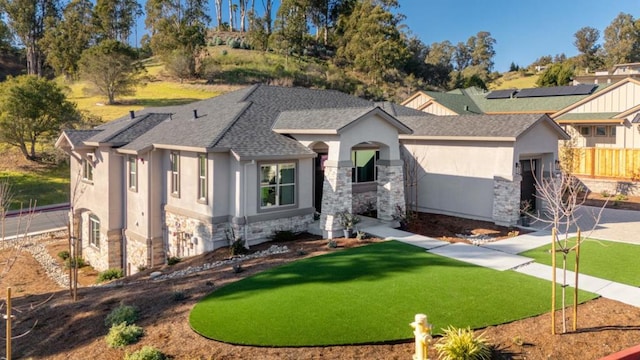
column 50, row 186
column 368, row 294
column 609, row 260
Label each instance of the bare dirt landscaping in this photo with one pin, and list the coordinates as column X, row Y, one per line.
column 63, row 329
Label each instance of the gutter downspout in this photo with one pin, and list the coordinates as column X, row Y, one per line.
column 149, row 209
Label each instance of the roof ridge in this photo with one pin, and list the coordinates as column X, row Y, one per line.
column 130, row 125
column 235, row 119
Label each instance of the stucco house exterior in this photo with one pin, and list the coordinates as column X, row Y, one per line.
column 174, row 181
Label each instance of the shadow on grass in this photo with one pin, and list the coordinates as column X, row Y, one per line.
column 367, row 263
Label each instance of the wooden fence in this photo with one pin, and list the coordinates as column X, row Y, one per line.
column 607, row 163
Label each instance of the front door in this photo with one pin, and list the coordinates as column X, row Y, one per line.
column 319, row 180
column 528, row 184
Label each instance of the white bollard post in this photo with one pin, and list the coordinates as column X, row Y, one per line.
column 422, row 333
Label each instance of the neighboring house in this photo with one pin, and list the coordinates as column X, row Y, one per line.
column 617, row 73
column 174, row 181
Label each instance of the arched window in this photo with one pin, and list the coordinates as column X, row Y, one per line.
column 94, row 231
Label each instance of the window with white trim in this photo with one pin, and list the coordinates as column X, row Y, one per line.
column 94, row 231
column 175, row 172
column 202, row 177
column 364, row 162
column 133, row 172
column 87, row 168
column 277, row 185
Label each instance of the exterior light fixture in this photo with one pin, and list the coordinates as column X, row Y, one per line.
column 518, row 170
column 557, row 164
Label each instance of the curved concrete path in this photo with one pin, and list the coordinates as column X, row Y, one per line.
column 502, row 255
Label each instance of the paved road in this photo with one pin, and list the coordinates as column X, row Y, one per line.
column 42, row 221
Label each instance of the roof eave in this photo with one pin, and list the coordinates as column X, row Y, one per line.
column 457, row 138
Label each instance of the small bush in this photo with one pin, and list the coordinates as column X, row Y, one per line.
column 462, row 344
column 173, row 260
column 283, row 235
column 64, row 255
column 122, row 334
column 146, row 353
column 178, row 295
column 122, row 314
column 237, row 248
column 605, row 193
column 110, row 274
column 74, row 262
column 621, row 197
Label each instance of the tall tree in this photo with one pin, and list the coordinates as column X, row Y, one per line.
column 111, row 68
column 64, row 43
column 323, row 14
column 114, row 19
column 290, row 27
column 268, row 8
column 32, row 109
column 28, row 19
column 243, row 14
column 231, row 15
column 482, row 51
column 462, row 56
column 217, row 5
column 586, row 41
column 177, row 26
column 622, row 40
column 370, row 39
column 556, row 75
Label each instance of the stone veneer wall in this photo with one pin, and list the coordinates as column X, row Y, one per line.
column 390, row 191
column 109, row 254
column 506, row 200
column 336, row 197
column 181, row 231
column 364, row 201
column 259, row 232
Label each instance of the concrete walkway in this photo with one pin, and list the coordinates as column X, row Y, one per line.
column 502, row 255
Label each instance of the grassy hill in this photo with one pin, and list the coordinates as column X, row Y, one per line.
column 514, row 80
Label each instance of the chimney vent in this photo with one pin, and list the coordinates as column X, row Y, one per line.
column 132, row 114
column 195, row 113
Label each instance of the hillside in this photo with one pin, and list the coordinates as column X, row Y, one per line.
column 11, row 64
column 514, row 80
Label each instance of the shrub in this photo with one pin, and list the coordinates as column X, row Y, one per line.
column 122, row 334
column 621, row 197
column 178, row 295
column 74, row 262
column 122, row 314
column 462, row 344
column 283, row 235
column 64, row 255
column 173, row 260
column 146, row 353
column 604, row 193
column 110, row 274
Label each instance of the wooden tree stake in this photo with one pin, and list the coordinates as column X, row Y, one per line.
column 553, row 281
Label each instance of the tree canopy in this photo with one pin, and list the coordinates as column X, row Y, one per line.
column 31, row 109
column 112, row 69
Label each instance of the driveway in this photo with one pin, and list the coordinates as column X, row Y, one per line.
column 615, row 225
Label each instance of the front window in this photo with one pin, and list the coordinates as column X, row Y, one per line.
column 175, row 173
column 277, row 184
column 601, row 131
column 612, row 131
column 94, row 230
column 133, row 172
column 202, row 177
column 87, row 168
column 365, row 165
column 585, row 130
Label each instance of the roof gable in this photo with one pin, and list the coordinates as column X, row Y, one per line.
column 596, row 95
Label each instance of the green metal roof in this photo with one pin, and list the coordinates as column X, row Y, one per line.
column 458, row 103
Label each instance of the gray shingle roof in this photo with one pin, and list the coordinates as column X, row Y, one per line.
column 76, row 137
column 320, row 119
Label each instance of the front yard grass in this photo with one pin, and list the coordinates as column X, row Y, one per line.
column 608, row 260
column 46, row 186
column 368, row 294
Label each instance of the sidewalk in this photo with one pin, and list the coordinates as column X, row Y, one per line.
column 502, row 255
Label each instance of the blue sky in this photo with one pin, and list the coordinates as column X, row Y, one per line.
column 524, row 30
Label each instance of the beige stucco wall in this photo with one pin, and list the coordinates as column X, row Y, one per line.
column 456, row 177
column 540, row 142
